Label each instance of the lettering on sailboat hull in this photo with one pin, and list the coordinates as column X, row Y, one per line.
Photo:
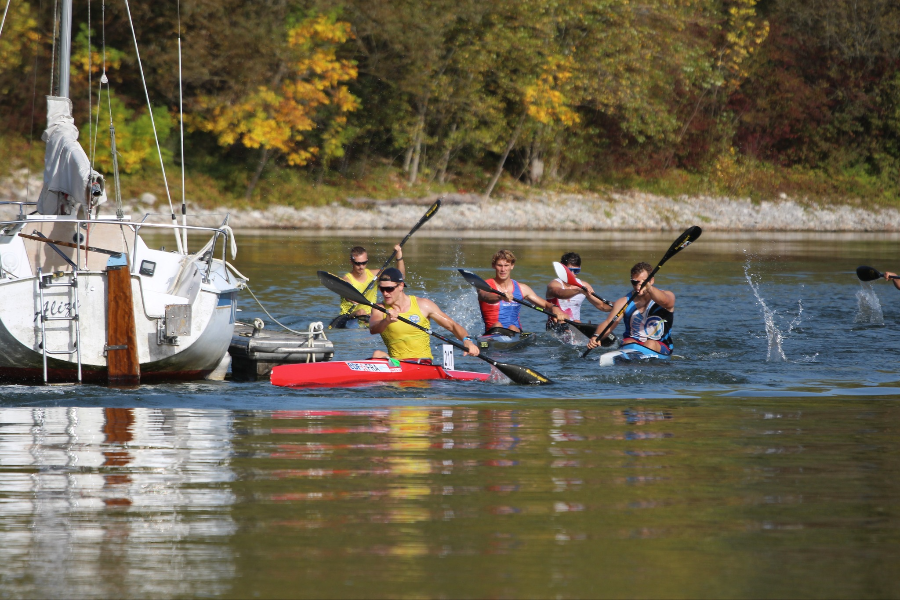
column 55, row 309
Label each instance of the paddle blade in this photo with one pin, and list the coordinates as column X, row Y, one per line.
column 589, row 329
column 868, row 274
column 476, row 281
column 690, row 235
column 521, row 375
column 564, row 274
column 339, row 322
column 431, row 211
column 428, row 214
column 341, row 287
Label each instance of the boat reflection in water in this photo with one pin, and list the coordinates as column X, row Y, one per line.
column 115, row 502
column 649, row 499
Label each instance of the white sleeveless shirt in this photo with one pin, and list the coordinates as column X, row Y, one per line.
column 570, row 306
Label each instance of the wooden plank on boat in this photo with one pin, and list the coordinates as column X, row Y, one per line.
column 121, row 356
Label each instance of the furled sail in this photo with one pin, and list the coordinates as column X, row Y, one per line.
column 67, row 170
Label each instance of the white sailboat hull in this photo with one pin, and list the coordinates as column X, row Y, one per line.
column 194, row 356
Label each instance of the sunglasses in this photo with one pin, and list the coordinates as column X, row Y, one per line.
column 575, row 270
column 359, row 263
column 636, row 282
column 387, row 289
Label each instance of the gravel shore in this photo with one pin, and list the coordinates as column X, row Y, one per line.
column 540, row 211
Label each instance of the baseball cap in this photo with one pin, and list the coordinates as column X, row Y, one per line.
column 392, row 274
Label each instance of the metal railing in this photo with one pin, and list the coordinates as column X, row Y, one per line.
column 135, row 227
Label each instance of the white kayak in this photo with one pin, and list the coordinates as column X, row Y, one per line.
column 628, row 353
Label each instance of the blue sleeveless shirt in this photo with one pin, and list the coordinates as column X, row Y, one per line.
column 653, row 323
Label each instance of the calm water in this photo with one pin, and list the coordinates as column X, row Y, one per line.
column 763, row 463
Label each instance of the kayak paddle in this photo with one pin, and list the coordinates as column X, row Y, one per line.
column 870, row 274
column 516, row 373
column 684, row 240
column 341, row 320
column 480, row 284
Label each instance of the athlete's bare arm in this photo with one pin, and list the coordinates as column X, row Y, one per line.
column 379, row 321
column 528, row 294
column 555, row 289
column 401, row 264
column 616, row 307
column 663, row 298
column 489, row 297
column 596, row 302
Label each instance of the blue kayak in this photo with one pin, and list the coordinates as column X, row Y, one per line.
column 631, row 352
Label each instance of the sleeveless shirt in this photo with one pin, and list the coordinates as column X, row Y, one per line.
column 653, row 323
column 502, row 313
column 348, row 307
column 404, row 341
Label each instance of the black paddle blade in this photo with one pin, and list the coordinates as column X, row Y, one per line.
column 428, row 214
column 476, row 281
column 339, row 322
column 341, row 287
column 521, row 375
column 868, row 274
column 690, row 235
column 431, row 212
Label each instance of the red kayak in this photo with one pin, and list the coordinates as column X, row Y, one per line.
column 340, row 373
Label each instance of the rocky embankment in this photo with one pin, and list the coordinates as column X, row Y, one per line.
column 540, row 211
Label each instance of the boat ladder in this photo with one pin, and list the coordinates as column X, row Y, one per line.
column 44, row 282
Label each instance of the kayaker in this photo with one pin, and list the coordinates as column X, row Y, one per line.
column 648, row 318
column 403, row 341
column 500, row 313
column 569, row 298
column 360, row 276
column 896, row 282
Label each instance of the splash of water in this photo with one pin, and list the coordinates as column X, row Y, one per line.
column 868, row 306
column 774, row 334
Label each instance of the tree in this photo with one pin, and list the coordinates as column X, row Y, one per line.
column 307, row 94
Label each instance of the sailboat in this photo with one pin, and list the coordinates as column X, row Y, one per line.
column 83, row 298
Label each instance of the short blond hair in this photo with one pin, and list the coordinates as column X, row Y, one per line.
column 503, row 255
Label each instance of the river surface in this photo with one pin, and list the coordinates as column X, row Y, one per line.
column 763, row 461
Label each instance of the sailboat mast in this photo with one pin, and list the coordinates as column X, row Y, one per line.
column 65, row 47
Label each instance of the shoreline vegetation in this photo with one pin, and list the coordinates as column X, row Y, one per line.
column 509, row 210
column 737, row 115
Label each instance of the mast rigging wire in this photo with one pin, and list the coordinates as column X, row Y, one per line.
column 153, row 123
column 3, row 22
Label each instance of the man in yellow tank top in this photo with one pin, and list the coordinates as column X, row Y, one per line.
column 360, row 277
column 403, row 341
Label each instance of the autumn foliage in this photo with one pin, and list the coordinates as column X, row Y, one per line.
column 310, row 95
column 741, row 95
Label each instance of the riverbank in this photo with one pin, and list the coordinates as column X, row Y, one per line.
column 539, row 211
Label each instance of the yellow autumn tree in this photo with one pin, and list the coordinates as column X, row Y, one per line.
column 744, row 33
column 19, row 32
column 303, row 115
column 548, row 100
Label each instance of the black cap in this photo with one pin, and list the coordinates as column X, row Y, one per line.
column 391, row 274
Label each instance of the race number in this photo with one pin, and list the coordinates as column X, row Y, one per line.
column 448, row 357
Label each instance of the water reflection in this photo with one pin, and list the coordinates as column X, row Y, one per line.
column 114, row 502
column 498, row 500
